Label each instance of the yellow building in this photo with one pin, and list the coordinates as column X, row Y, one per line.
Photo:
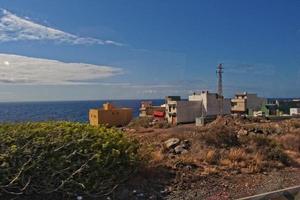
column 110, row 116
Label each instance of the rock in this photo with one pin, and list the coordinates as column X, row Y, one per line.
column 172, row 143
column 242, row 132
column 186, row 143
column 180, row 149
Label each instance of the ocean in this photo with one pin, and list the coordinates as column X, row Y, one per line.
column 61, row 110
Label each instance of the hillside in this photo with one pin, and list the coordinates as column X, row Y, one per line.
column 226, row 159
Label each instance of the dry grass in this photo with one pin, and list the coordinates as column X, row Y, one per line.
column 212, row 157
column 157, row 156
column 216, row 147
column 209, row 170
column 295, row 124
column 237, row 154
column 256, row 164
column 290, row 142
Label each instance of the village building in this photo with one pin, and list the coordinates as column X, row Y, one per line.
column 182, row 111
column 295, row 111
column 212, row 104
column 149, row 110
column 110, row 116
column 205, row 104
column 246, row 103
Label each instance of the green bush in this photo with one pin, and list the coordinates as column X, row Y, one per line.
column 63, row 158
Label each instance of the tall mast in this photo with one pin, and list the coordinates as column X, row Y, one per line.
column 220, row 84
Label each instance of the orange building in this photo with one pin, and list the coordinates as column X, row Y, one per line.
column 110, row 116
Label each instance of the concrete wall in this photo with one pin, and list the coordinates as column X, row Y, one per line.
column 244, row 102
column 113, row 117
column 187, row 111
column 254, row 102
column 183, row 111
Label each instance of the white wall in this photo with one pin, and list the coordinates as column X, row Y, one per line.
column 294, row 111
column 212, row 104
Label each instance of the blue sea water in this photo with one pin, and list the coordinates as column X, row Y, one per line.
column 63, row 110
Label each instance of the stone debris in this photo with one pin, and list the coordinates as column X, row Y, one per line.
column 172, row 143
column 176, row 146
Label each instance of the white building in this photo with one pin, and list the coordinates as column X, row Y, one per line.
column 204, row 104
column 182, row 111
column 212, row 103
column 294, row 111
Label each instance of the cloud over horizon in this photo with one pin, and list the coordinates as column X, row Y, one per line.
column 16, row 69
column 15, row 28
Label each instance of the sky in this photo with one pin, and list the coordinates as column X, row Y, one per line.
column 116, row 49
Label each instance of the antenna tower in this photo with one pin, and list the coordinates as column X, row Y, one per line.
column 220, row 84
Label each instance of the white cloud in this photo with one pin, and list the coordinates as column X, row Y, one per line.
column 27, row 70
column 15, row 28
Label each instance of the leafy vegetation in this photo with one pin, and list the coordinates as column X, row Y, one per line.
column 63, row 159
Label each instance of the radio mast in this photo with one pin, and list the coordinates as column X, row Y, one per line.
column 220, row 84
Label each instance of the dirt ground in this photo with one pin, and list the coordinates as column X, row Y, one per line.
column 236, row 172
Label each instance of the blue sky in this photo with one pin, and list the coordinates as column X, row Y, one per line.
column 75, row 50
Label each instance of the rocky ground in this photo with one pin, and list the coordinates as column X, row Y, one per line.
column 226, row 159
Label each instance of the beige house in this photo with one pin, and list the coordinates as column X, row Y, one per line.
column 245, row 102
column 110, row 116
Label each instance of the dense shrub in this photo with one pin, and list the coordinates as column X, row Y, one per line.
column 220, row 136
column 138, row 122
column 270, row 149
column 63, row 158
